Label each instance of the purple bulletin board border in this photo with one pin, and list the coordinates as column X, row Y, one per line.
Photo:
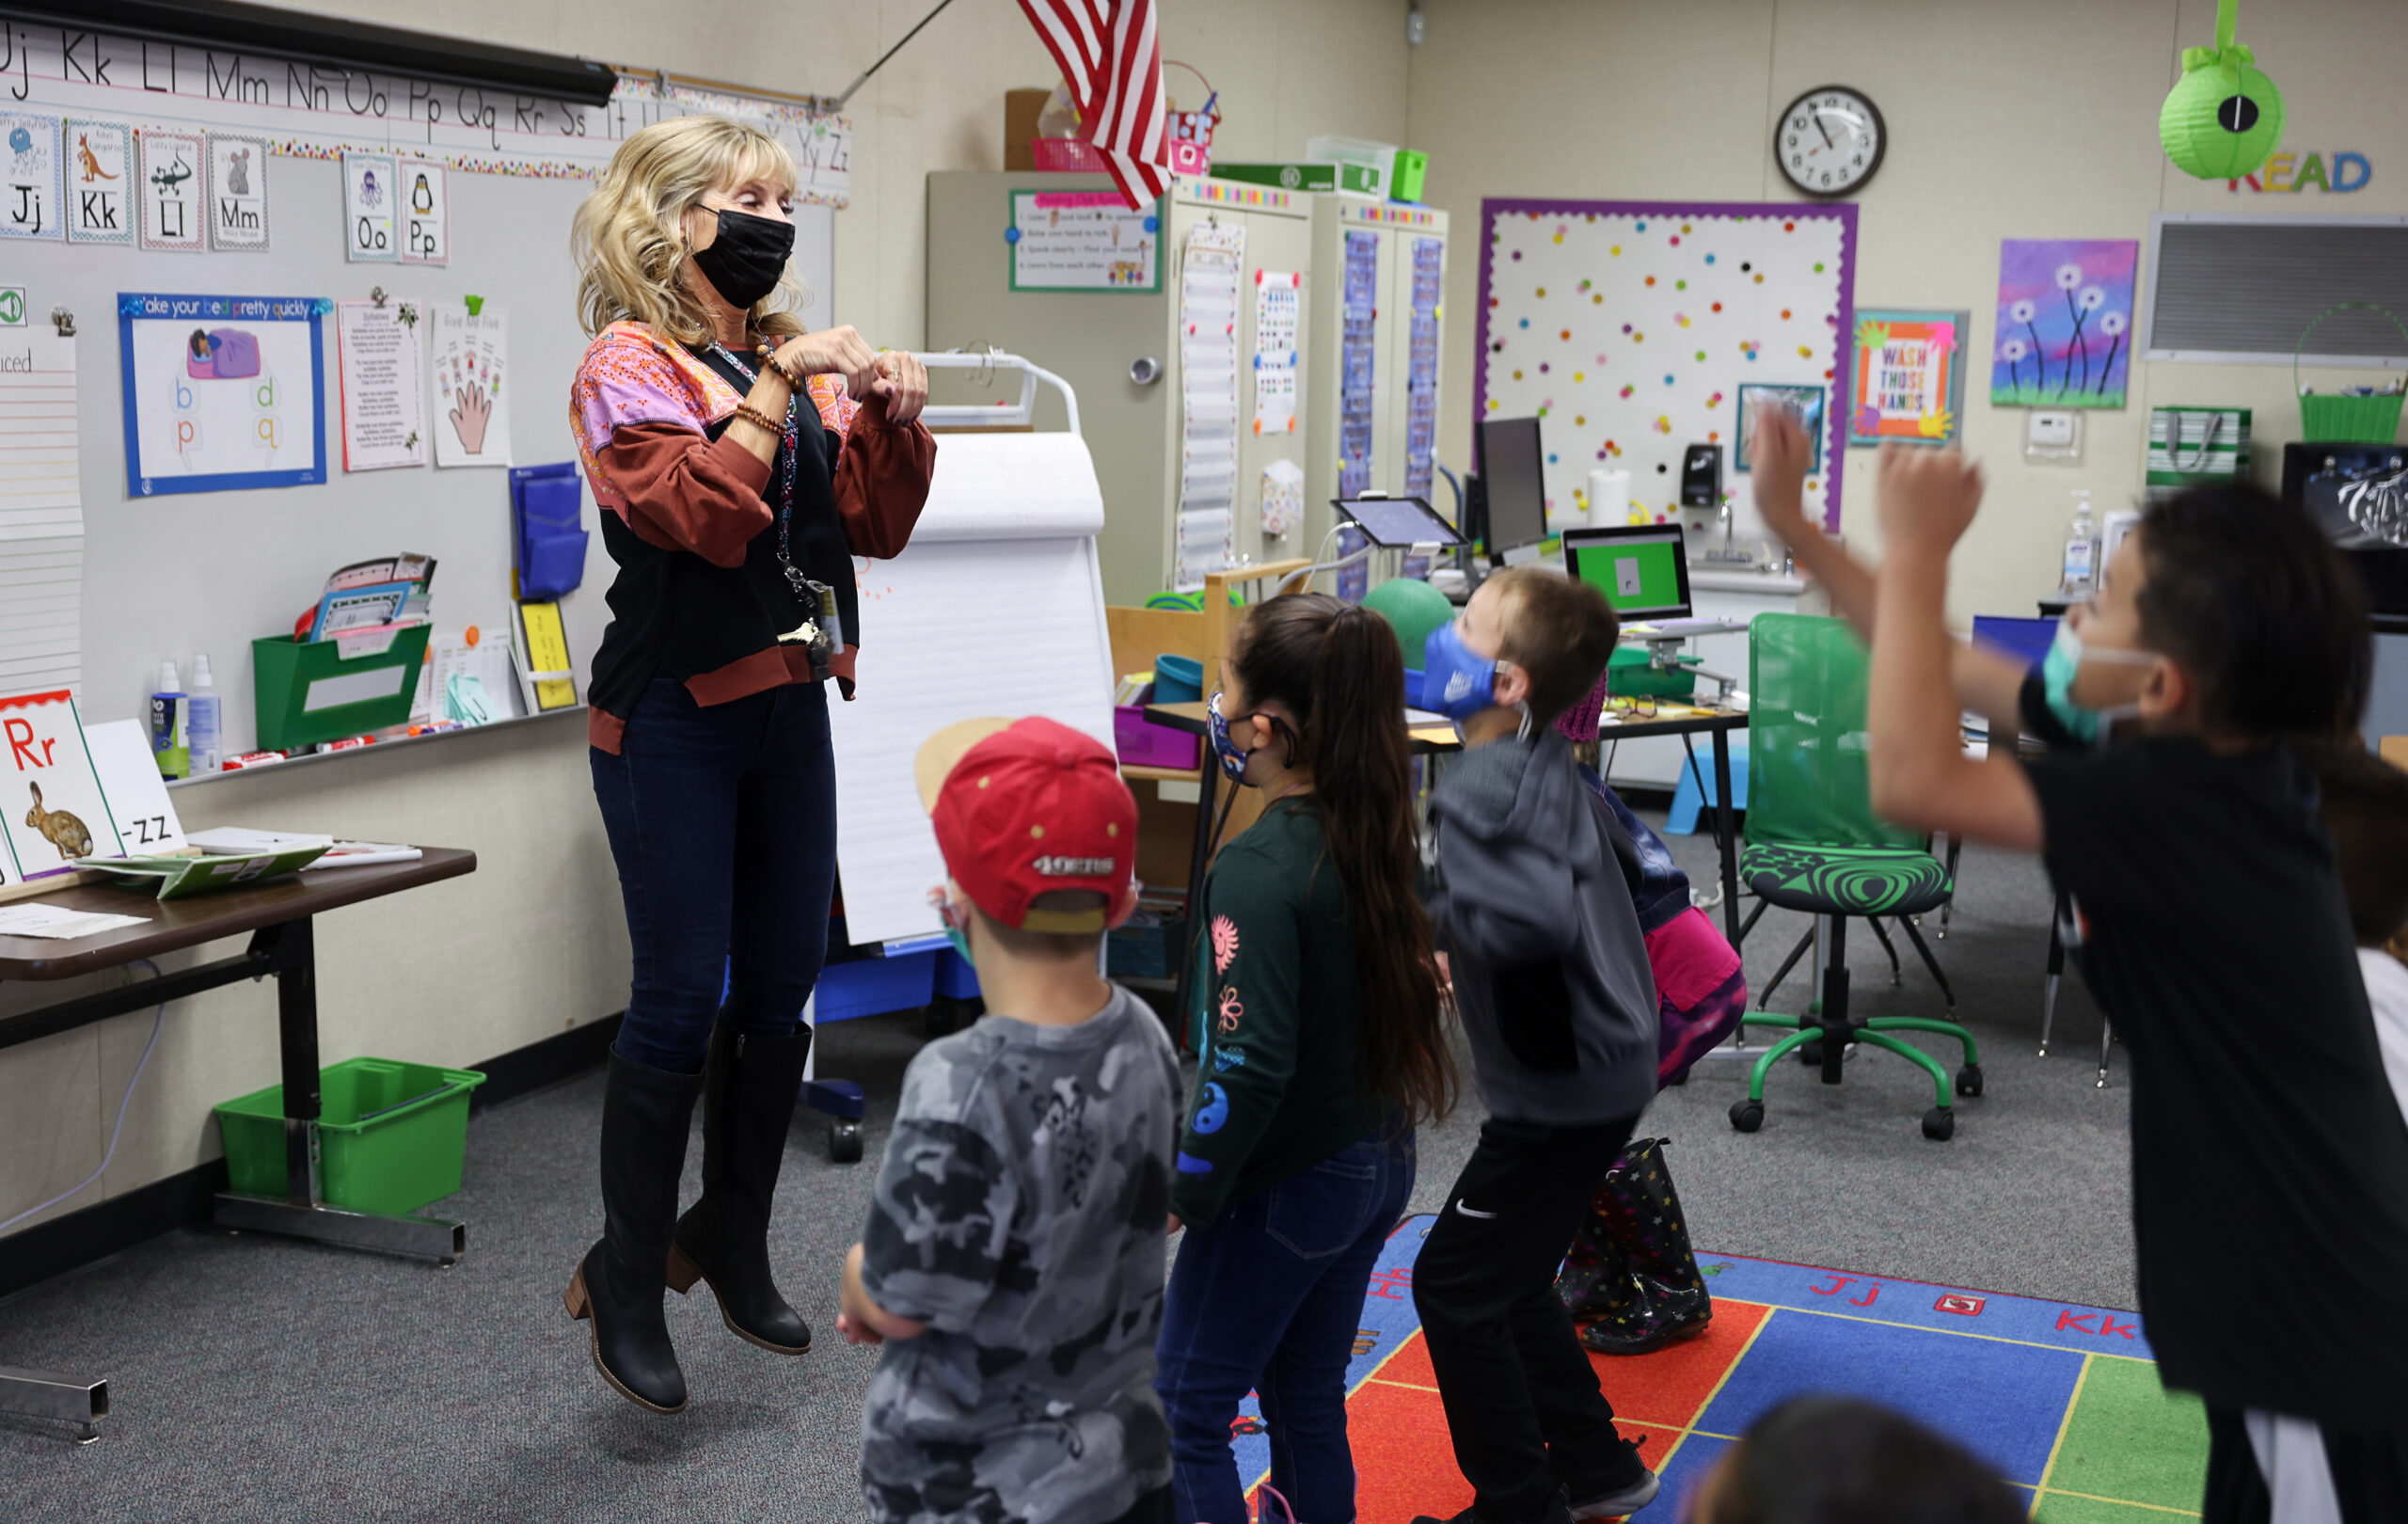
column 1835, row 418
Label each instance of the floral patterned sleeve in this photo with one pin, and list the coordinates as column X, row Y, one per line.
column 1253, row 968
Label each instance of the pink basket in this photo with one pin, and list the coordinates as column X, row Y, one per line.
column 1061, row 155
column 1143, row 743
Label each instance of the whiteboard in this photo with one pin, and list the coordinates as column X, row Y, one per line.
column 211, row 571
column 996, row 608
column 1628, row 328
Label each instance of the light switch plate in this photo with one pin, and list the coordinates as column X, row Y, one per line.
column 2052, row 435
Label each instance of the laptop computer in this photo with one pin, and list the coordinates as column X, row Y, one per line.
column 1643, row 571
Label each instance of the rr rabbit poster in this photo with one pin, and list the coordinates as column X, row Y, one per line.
column 222, row 391
column 51, row 810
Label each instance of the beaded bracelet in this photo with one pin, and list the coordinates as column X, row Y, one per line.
column 758, row 418
column 792, row 377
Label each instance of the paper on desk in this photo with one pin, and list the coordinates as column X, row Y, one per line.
column 240, row 841
column 58, row 923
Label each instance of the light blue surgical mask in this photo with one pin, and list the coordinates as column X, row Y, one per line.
column 2066, row 653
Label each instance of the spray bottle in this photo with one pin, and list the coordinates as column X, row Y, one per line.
column 2080, row 577
column 170, row 740
column 201, row 725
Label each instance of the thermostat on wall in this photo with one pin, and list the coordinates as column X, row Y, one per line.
column 2052, row 436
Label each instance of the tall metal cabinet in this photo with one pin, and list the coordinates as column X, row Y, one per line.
column 1093, row 339
column 1373, row 361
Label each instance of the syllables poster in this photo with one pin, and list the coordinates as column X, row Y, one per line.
column 222, row 391
column 472, row 411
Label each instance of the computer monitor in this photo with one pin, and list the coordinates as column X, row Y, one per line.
column 1512, row 469
column 1642, row 569
column 2027, row 640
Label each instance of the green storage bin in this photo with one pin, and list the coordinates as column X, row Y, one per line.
column 1633, row 674
column 306, row 691
column 2346, row 419
column 1362, row 179
column 392, row 1137
column 1404, row 181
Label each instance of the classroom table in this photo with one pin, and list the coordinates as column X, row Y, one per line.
column 1430, row 739
column 278, row 914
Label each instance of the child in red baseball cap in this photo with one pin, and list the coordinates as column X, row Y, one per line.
column 1012, row 1263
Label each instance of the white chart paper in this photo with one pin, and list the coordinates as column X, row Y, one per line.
column 41, row 516
column 1207, row 383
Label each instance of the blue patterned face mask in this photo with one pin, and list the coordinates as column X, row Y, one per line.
column 2066, row 653
column 1225, row 751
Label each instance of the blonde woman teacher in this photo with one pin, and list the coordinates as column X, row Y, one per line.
column 740, row 464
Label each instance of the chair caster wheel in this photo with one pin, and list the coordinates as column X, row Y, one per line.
column 1968, row 1080
column 845, row 1141
column 1940, row 1124
column 1747, row 1116
column 1810, row 1055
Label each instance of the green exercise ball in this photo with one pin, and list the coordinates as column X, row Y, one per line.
column 1413, row 609
column 2219, row 122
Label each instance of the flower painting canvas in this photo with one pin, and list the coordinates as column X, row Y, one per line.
column 2065, row 322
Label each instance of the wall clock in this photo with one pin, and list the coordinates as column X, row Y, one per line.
column 1829, row 141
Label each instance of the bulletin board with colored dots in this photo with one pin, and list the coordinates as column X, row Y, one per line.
column 1629, row 328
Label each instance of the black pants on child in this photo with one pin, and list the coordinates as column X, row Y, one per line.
column 2369, row 1474
column 1522, row 1400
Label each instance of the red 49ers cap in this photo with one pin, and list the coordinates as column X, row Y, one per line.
column 1027, row 807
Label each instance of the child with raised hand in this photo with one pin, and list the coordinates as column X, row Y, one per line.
column 2269, row 1160
column 1534, row 910
column 1012, row 1263
column 1324, row 1046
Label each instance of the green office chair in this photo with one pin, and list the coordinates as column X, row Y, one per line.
column 1814, row 845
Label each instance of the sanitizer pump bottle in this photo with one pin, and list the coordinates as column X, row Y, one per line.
column 201, row 727
column 2080, row 580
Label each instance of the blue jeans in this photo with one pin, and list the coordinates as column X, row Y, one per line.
column 723, row 823
column 1267, row 1300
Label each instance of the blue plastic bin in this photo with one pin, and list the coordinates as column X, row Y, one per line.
column 869, row 986
column 1697, row 789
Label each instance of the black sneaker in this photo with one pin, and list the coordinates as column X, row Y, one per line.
column 1617, row 1490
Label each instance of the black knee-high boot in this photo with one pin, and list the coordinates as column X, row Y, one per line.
column 620, row 1283
column 749, row 1090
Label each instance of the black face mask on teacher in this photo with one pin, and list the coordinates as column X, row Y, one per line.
column 744, row 262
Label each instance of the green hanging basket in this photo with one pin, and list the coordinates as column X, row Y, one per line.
column 2341, row 419
column 2222, row 117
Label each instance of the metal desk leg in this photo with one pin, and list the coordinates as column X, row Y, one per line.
column 46, row 1394
column 1198, row 859
column 293, row 950
column 1730, row 834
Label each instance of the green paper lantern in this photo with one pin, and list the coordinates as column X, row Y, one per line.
column 2222, row 117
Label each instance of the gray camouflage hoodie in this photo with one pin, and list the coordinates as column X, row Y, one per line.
column 1532, row 906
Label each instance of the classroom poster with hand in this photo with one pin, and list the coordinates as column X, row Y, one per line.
column 471, row 352
column 221, row 391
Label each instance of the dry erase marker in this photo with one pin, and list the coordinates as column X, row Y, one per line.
column 347, row 743
column 251, row 759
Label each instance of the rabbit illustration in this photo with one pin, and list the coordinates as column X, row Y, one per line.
column 66, row 833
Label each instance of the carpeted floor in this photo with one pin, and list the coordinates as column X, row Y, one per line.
column 2062, row 1399
column 265, row 1379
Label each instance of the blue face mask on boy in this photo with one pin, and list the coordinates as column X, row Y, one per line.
column 2066, row 653
column 1456, row 681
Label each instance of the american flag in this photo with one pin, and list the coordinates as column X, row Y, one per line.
column 1107, row 51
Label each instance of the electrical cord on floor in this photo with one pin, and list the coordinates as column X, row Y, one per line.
column 157, row 1018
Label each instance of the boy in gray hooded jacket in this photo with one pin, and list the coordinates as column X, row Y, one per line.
column 1533, row 910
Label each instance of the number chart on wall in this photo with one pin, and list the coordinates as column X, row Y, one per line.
column 1628, row 329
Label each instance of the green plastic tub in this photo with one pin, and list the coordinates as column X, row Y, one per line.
column 392, row 1137
column 1632, row 674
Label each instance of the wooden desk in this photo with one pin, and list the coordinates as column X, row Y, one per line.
column 278, row 914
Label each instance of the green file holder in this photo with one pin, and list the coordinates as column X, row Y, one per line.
column 307, row 692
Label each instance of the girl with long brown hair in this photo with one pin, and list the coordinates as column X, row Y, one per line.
column 1324, row 1047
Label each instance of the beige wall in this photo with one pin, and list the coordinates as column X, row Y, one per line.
column 2029, row 118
